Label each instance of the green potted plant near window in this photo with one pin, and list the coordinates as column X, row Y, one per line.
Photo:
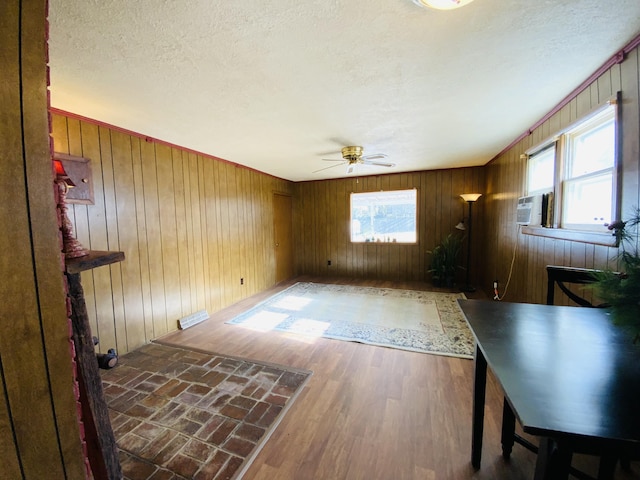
column 621, row 291
column 444, row 261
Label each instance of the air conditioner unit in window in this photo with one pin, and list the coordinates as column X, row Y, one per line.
column 529, row 210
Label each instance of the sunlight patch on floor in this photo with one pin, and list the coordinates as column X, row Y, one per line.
column 264, row 321
column 293, row 303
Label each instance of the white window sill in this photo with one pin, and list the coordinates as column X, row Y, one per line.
column 597, row 238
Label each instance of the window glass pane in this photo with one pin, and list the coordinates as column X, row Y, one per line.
column 588, row 183
column 593, row 150
column 540, row 171
column 588, row 201
column 384, row 216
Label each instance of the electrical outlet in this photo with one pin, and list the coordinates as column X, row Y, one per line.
column 328, row 263
column 241, row 281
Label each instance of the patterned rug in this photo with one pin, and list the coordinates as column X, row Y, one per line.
column 185, row 414
column 426, row 322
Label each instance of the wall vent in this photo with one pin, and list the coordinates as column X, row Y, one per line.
column 193, row 319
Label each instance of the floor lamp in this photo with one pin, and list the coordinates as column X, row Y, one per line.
column 470, row 198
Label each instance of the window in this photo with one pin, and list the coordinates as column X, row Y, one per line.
column 540, row 170
column 578, row 169
column 587, row 188
column 389, row 217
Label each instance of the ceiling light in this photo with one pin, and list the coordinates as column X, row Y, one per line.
column 442, row 4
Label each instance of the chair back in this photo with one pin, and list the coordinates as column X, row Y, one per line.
column 569, row 275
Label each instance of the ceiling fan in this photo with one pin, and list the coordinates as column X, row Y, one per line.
column 352, row 156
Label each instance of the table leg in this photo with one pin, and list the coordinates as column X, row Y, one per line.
column 508, row 429
column 553, row 461
column 479, row 391
column 607, row 466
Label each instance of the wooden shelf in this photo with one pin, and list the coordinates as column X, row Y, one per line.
column 95, row 259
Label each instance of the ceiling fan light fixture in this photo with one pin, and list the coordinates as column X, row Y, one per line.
column 352, row 152
column 352, row 156
column 442, row 4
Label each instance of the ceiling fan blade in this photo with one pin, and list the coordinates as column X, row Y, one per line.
column 353, row 156
column 379, row 164
column 330, row 166
column 374, row 156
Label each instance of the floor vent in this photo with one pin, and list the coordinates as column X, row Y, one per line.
column 193, row 319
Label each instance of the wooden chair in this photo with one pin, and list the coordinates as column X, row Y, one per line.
column 564, row 275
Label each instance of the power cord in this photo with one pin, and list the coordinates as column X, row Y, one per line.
column 496, row 295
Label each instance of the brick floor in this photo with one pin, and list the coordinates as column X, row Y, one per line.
column 182, row 414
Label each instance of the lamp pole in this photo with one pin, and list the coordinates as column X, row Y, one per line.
column 470, row 198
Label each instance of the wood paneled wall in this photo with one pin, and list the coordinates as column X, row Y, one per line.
column 322, row 220
column 39, row 422
column 505, row 183
column 190, row 227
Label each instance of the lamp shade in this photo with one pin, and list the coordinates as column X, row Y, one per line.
column 470, row 197
column 443, row 4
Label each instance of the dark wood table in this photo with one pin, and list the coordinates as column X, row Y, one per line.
column 569, row 375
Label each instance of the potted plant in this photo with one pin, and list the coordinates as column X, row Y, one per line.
column 444, row 261
column 621, row 290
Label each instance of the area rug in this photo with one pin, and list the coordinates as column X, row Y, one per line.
column 186, row 414
column 426, row 322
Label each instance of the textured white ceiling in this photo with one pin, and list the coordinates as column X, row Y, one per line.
column 277, row 85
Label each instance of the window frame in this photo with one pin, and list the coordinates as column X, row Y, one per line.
column 588, row 124
column 547, row 146
column 417, row 217
column 560, row 139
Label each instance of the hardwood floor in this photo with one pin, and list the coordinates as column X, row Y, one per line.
column 369, row 412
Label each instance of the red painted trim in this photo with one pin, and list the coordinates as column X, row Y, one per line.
column 146, row 138
column 618, row 58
